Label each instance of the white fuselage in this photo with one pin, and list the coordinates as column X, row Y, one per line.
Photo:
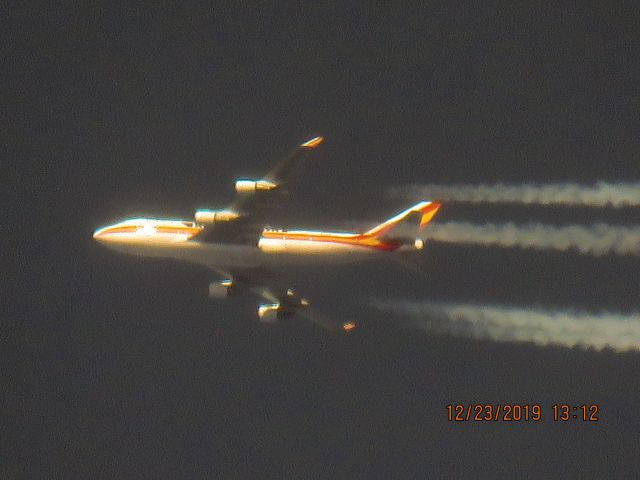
column 242, row 256
column 178, row 240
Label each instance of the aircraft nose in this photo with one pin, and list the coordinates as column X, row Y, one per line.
column 99, row 235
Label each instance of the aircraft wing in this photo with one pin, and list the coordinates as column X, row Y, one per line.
column 255, row 206
column 308, row 312
column 261, row 283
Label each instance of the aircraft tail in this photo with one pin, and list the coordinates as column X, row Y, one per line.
column 423, row 212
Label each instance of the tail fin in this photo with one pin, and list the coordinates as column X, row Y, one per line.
column 424, row 211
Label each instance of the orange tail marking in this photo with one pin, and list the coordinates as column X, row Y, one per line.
column 428, row 213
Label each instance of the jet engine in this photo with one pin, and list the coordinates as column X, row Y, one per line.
column 272, row 312
column 268, row 313
column 406, row 243
column 289, row 304
column 213, row 216
column 251, row 186
column 222, row 289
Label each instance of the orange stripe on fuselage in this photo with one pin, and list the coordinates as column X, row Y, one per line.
column 354, row 239
column 191, row 231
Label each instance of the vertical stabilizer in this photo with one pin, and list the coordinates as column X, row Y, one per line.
column 421, row 212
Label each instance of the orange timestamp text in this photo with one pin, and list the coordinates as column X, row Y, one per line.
column 517, row 412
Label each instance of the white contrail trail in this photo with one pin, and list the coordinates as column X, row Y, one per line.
column 544, row 327
column 602, row 194
column 598, row 239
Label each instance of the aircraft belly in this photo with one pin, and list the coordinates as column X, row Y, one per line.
column 302, row 252
column 208, row 255
column 216, row 256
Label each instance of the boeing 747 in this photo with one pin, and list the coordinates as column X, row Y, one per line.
column 236, row 244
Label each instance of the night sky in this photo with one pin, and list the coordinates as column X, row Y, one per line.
column 120, row 367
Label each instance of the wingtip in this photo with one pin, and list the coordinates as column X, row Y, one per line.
column 348, row 326
column 313, row 143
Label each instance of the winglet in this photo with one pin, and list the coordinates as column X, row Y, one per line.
column 313, row 143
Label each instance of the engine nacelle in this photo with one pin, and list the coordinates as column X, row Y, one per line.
column 222, row 289
column 272, row 312
column 250, row 186
column 406, row 243
column 213, row 216
column 269, row 313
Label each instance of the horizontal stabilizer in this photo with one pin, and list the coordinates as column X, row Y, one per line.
column 313, row 143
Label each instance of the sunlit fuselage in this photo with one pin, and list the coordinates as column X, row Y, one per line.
column 179, row 240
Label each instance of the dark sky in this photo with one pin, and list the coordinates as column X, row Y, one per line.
column 119, row 367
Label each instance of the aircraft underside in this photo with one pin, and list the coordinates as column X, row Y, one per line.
column 216, row 256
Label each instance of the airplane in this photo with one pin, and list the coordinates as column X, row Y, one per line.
column 236, row 243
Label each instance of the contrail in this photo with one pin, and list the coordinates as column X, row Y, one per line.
column 599, row 239
column 543, row 327
column 602, row 194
